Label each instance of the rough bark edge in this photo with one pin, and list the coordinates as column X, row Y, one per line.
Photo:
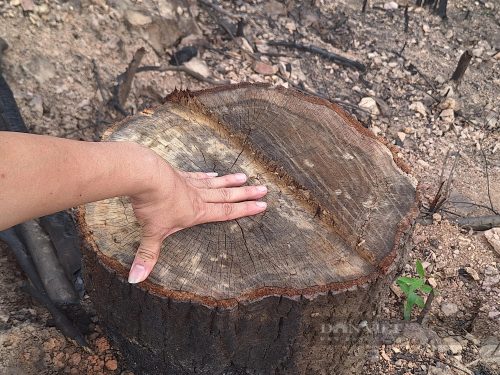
column 384, row 266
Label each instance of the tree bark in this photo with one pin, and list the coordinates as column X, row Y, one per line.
column 280, row 293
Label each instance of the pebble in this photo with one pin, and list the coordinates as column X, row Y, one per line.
column 493, row 237
column 264, row 69
column 477, row 52
column 449, row 308
column 370, row 105
column 448, row 115
column 436, row 217
column 453, row 344
column 419, row 107
column 401, row 136
column 391, row 5
column 493, row 314
column 199, row 66
column 472, row 272
column 432, row 282
column 28, row 5
column 136, row 18
column 426, row 28
column 111, row 364
column 448, row 103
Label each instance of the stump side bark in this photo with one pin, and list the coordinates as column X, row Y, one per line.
column 254, row 295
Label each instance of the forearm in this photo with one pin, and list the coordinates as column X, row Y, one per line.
column 41, row 175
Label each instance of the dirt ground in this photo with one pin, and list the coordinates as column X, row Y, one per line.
column 405, row 95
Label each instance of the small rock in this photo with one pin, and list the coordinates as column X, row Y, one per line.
column 401, row 136
column 472, row 272
column 477, row 52
column 391, row 5
column 448, row 115
column 490, row 281
column 27, row 5
column 199, row 66
column 493, row 237
column 490, row 270
column 376, row 130
column 453, row 344
column 448, row 103
column 135, row 18
column 493, row 314
column 264, row 69
column 419, row 107
column 102, row 344
column 111, row 364
column 497, row 56
column 449, row 308
column 43, row 9
column 426, row 28
column 274, row 8
column 449, row 34
column 243, row 42
column 432, row 282
column 370, row 105
column 436, row 217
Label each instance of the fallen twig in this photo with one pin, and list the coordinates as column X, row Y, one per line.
column 122, row 88
column 49, row 268
column 321, row 52
column 463, row 64
column 181, row 68
column 479, row 223
column 426, row 308
column 63, row 235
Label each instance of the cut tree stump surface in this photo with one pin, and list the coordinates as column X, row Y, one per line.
column 338, row 203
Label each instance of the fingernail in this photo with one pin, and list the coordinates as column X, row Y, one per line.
column 212, row 174
column 240, row 177
column 261, row 189
column 261, row 204
column 137, row 274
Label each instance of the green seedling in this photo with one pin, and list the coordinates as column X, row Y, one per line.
column 411, row 286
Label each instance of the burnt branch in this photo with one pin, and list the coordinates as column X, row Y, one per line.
column 336, row 58
column 463, row 64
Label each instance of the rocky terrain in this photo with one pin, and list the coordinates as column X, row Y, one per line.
column 63, row 61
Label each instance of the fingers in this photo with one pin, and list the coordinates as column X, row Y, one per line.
column 230, row 180
column 230, row 211
column 231, row 195
column 145, row 259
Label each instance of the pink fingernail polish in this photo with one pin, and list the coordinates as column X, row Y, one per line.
column 212, row 174
column 261, row 204
column 240, row 177
column 137, row 274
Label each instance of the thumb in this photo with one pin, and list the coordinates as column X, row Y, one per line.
column 145, row 259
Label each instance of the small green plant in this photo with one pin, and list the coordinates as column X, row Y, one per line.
column 411, row 286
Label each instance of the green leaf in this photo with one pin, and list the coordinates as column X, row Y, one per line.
column 404, row 287
column 406, row 280
column 420, row 269
column 426, row 288
column 419, row 301
column 416, row 284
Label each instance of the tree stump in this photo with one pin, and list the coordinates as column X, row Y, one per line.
column 264, row 294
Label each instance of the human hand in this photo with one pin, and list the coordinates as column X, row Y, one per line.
column 177, row 200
